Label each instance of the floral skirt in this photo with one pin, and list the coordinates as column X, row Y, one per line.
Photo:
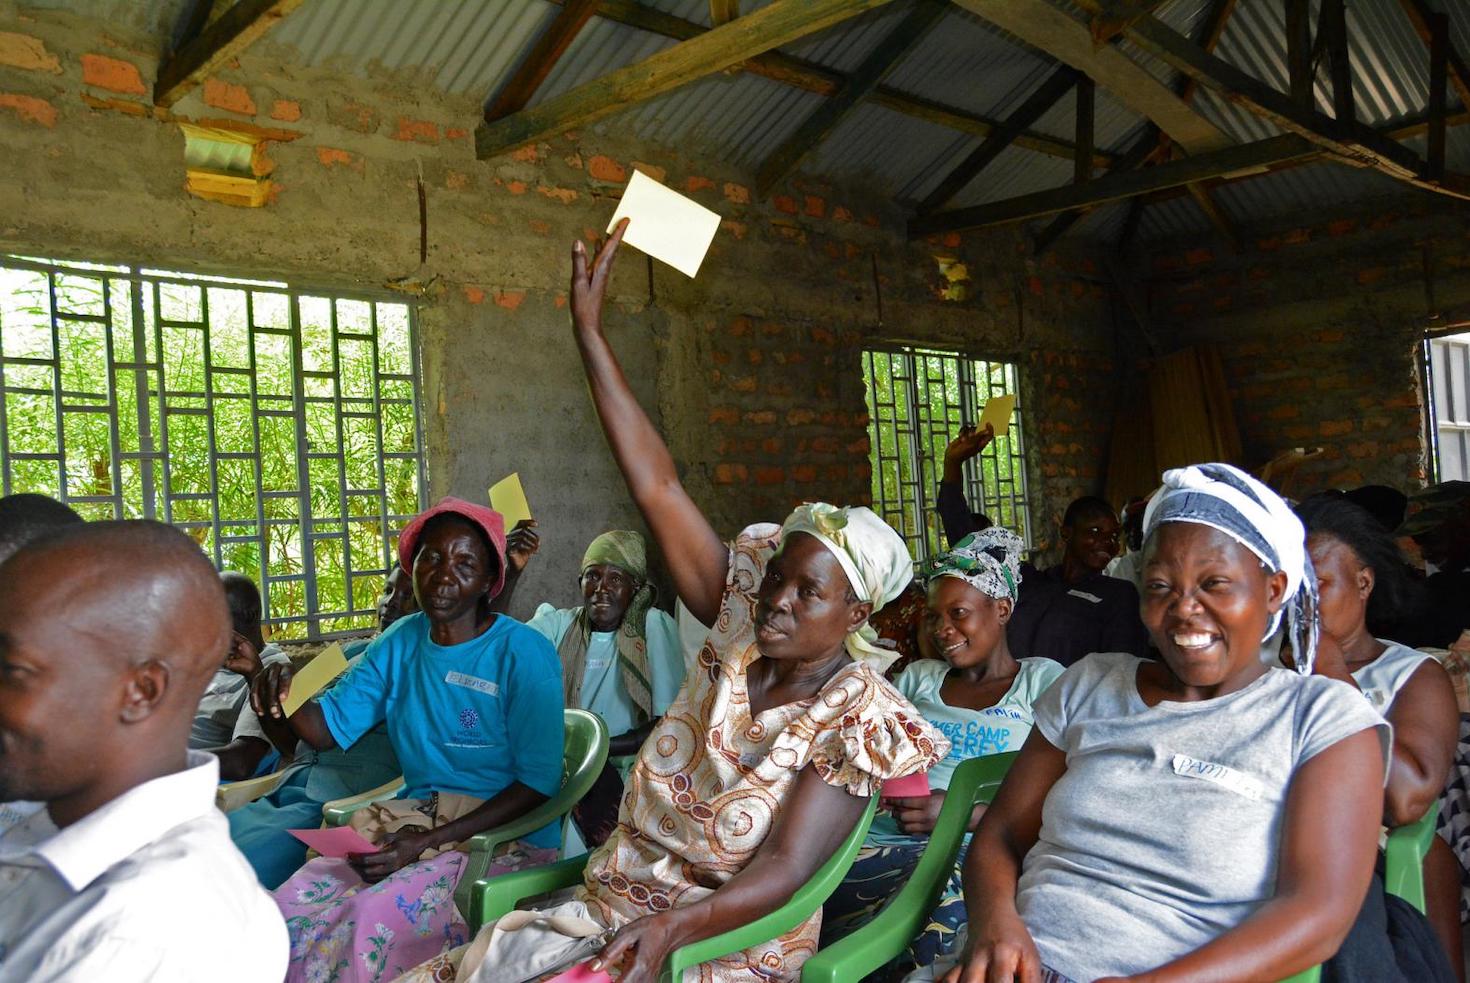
column 875, row 876
column 344, row 930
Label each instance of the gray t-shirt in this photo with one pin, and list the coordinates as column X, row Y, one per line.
column 224, row 710
column 1164, row 831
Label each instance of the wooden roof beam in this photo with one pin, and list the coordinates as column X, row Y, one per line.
column 1062, row 36
column 1421, row 16
column 811, row 77
column 781, row 22
column 1046, row 95
column 1349, row 139
column 864, row 79
column 1114, row 187
column 542, row 58
column 230, row 34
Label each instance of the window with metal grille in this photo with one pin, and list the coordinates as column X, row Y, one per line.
column 917, row 401
column 277, row 426
column 1449, row 402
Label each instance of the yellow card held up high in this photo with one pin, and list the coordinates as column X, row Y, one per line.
column 509, row 499
column 327, row 666
column 997, row 413
column 665, row 224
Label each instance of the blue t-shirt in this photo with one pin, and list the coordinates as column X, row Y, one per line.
column 469, row 718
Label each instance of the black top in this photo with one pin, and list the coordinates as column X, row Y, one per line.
column 1054, row 619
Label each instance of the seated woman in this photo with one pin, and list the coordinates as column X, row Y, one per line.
column 620, row 658
column 1365, row 594
column 768, row 756
column 1167, row 817
column 472, row 701
column 979, row 697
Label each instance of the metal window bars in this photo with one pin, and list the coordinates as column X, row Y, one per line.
column 1448, row 365
column 917, row 401
column 278, row 427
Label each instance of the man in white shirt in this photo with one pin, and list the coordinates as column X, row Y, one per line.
column 108, row 635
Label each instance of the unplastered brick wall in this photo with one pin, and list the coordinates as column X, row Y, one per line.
column 1319, row 327
column 752, row 370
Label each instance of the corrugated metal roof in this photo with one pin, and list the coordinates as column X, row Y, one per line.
column 470, row 47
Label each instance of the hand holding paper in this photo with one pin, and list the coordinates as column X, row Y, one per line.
column 509, row 499
column 908, row 787
column 335, row 841
column 327, row 666
column 665, row 224
column 997, row 413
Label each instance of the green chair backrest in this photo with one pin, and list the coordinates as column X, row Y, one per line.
column 1403, row 858
column 807, row 899
column 883, row 939
column 583, row 755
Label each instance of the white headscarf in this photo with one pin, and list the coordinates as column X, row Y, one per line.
column 1228, row 499
column 874, row 557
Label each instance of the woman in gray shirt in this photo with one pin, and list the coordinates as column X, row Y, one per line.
column 1199, row 817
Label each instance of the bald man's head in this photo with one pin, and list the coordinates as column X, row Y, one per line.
column 108, row 634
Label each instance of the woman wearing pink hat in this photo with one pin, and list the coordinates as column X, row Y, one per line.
column 473, row 706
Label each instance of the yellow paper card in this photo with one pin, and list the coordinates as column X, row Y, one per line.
column 997, row 413
column 665, row 224
column 327, row 666
column 509, row 499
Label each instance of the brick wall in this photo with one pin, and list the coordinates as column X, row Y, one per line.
column 752, row 369
column 1319, row 326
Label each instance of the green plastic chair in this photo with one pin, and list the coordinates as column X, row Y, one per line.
column 499, row 895
column 885, row 937
column 1403, row 858
column 583, row 755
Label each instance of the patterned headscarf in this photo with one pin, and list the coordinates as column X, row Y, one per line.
column 1227, row 499
column 625, row 550
column 989, row 561
column 873, row 556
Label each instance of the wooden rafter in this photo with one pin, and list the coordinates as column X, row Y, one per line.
column 1044, row 26
column 1333, row 34
column 1134, row 158
column 1348, row 139
column 778, row 23
column 1113, row 187
column 542, row 58
column 723, row 11
column 1299, row 65
column 1420, row 15
column 1439, row 69
column 811, row 77
column 863, row 80
column 230, row 33
column 1084, row 134
column 1051, row 90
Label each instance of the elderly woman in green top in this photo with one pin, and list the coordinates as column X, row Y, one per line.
column 620, row 659
column 978, row 694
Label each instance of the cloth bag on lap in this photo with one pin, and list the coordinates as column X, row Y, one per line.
column 525, row 945
column 377, row 819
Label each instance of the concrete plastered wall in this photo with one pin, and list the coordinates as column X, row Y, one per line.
column 752, row 369
column 1319, row 326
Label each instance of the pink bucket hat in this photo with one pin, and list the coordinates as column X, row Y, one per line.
column 482, row 516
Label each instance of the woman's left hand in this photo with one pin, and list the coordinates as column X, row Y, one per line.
column 917, row 815
column 396, row 851
column 641, row 947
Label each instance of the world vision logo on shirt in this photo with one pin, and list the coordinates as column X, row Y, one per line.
column 1238, row 782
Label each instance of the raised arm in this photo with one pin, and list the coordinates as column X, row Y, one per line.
column 1000, row 947
column 812, row 825
column 698, row 561
column 270, row 688
column 1426, row 730
column 1327, row 852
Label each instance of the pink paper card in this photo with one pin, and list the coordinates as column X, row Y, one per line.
column 907, row 787
column 334, row 841
column 582, row 973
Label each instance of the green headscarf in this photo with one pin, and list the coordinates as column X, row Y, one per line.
column 625, row 550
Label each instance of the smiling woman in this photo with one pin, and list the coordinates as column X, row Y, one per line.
column 1236, row 761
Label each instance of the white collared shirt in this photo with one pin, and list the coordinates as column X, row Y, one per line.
column 148, row 887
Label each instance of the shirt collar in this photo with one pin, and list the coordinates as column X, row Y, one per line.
column 87, row 848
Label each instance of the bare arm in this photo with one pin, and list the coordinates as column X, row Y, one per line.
column 1426, row 730
column 629, row 743
column 1000, row 947
column 1321, row 880
column 697, row 558
column 270, row 687
column 816, row 819
column 239, row 758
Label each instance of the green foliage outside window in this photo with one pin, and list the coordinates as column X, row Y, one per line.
column 279, row 429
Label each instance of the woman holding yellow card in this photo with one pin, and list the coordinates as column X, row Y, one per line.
column 473, row 706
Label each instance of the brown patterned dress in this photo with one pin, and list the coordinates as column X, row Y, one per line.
column 711, row 779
